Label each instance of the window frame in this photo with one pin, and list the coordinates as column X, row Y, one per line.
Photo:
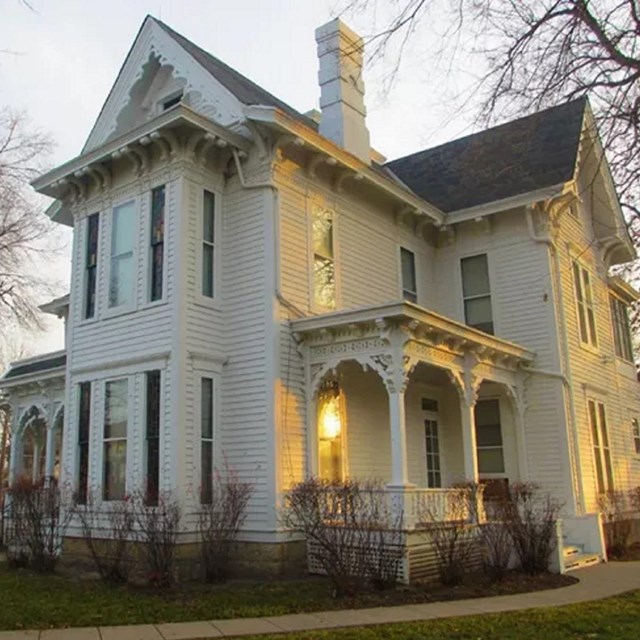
column 151, row 245
column 152, row 500
column 413, row 295
column 489, row 295
column 603, row 474
column 110, row 311
column 200, row 298
column 492, row 475
column 206, row 498
column 85, row 269
column 129, row 432
column 82, row 489
column 344, row 457
column 582, row 306
column 313, row 305
column 621, row 328
column 635, row 434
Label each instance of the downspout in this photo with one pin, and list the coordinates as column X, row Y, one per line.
column 565, row 374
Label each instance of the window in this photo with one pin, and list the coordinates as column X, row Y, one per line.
column 208, row 244
column 157, row 242
column 408, row 266
column 635, row 433
column 153, row 437
column 621, row 330
column 116, row 417
column 84, row 421
column 206, row 439
column 601, row 451
column 172, row 101
column 324, row 272
column 489, row 437
column 330, row 436
column 476, row 293
column 123, row 231
column 91, row 265
column 584, row 300
column 434, row 474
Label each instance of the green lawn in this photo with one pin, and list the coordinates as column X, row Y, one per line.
column 615, row 618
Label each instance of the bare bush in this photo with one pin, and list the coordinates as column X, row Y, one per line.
column 157, row 529
column 220, row 521
column 497, row 546
column 39, row 515
column 617, row 526
column 452, row 535
column 351, row 530
column 634, row 498
column 108, row 533
column 530, row 517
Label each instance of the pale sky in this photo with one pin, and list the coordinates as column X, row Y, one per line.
column 60, row 59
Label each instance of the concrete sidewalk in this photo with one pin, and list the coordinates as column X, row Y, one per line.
column 596, row 582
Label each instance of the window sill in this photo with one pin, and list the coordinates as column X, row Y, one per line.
column 208, row 303
column 155, row 303
column 589, row 348
column 117, row 312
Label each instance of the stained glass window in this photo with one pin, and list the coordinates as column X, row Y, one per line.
column 157, row 241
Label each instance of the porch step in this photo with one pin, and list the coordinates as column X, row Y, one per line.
column 581, row 560
column 571, row 550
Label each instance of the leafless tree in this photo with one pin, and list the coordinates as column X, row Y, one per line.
column 24, row 230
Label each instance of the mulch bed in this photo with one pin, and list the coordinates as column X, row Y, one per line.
column 475, row 586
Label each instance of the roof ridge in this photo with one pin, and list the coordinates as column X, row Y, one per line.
column 494, row 128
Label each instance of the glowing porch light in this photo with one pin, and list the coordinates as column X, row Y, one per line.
column 330, row 423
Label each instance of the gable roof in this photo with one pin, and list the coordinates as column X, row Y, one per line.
column 247, row 91
column 518, row 157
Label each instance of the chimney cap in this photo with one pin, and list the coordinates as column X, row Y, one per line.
column 337, row 26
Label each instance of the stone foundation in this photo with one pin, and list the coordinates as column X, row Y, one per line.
column 251, row 560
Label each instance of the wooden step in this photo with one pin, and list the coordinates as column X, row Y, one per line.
column 581, row 560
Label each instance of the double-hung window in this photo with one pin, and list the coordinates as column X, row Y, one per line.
column 152, row 436
column 408, row 272
column 156, row 242
column 601, row 450
column 476, row 292
column 207, row 409
column 116, row 420
column 489, row 437
column 84, row 422
column 209, row 245
column 91, row 265
column 324, row 268
column 122, row 267
column 635, row 434
column 584, row 301
column 621, row 330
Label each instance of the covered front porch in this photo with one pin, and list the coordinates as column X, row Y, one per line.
column 415, row 400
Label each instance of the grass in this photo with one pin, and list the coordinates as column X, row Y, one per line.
column 614, row 618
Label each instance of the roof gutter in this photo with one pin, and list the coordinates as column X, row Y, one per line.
column 276, row 118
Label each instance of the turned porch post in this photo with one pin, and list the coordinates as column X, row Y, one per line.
column 466, row 384
column 398, row 426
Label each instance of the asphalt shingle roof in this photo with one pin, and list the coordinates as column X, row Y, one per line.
column 245, row 90
column 36, row 367
column 524, row 155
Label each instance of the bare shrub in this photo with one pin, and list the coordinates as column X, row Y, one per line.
column 39, row 514
column 351, row 531
column 452, row 534
column 157, row 529
column 634, row 498
column 495, row 538
column 530, row 517
column 220, row 521
column 617, row 526
column 108, row 533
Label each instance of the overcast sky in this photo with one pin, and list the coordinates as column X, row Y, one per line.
column 60, row 59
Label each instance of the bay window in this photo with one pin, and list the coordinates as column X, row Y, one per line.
column 116, row 420
column 156, row 242
column 122, row 267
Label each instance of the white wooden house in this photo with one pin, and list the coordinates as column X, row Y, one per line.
column 259, row 288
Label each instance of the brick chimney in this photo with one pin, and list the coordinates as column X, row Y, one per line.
column 342, row 88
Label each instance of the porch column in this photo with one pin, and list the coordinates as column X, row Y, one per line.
column 49, row 453
column 398, row 425
column 469, row 447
